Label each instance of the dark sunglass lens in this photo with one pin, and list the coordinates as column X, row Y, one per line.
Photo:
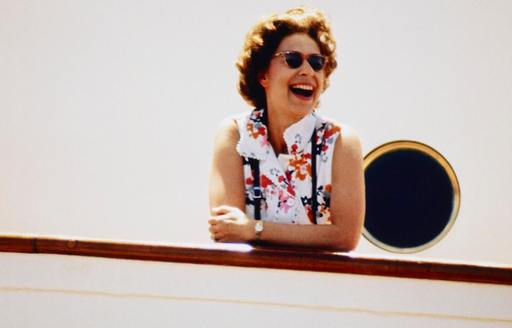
column 317, row 62
column 293, row 59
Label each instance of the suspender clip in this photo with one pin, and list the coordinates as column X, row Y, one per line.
column 257, row 192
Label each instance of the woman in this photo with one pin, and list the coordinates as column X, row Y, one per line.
column 281, row 174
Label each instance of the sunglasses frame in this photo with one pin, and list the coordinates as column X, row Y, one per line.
column 302, row 58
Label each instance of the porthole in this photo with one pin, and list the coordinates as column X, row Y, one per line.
column 412, row 196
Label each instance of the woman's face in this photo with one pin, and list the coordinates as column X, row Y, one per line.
column 293, row 92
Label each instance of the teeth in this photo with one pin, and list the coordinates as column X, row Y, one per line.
column 303, row 87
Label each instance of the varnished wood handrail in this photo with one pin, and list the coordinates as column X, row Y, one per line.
column 261, row 257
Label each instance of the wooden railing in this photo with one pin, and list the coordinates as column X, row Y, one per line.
column 261, row 257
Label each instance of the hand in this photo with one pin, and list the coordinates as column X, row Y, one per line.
column 229, row 224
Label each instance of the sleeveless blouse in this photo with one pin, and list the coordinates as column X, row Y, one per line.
column 286, row 193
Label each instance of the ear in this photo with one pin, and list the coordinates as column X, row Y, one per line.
column 263, row 79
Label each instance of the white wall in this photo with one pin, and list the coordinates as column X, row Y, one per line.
column 108, row 108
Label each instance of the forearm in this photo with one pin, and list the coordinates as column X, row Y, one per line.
column 231, row 224
column 321, row 236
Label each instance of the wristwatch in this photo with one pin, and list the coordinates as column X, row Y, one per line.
column 258, row 228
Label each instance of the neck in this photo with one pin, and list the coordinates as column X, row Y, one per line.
column 276, row 126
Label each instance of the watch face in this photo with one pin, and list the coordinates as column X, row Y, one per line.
column 259, row 226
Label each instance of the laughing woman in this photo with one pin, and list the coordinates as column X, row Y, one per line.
column 282, row 174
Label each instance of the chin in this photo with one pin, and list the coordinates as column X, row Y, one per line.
column 304, row 106
column 301, row 111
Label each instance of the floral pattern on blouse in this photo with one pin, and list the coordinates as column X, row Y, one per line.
column 286, row 193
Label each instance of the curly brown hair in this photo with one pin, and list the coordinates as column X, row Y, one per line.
column 263, row 39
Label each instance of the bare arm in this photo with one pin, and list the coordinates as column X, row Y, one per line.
column 226, row 185
column 230, row 224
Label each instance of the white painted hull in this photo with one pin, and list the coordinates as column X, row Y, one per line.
column 42, row 290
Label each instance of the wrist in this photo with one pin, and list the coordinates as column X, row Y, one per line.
column 258, row 229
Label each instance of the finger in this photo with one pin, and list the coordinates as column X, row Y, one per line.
column 213, row 229
column 219, row 236
column 214, row 220
column 217, row 211
column 223, row 239
column 222, row 209
column 215, row 236
column 224, row 217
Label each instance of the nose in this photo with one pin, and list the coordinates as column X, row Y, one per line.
column 306, row 69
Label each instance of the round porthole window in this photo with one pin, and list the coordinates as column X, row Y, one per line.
column 412, row 196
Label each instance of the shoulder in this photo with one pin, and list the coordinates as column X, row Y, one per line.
column 348, row 142
column 227, row 131
column 231, row 126
column 348, row 135
column 225, row 143
column 350, row 138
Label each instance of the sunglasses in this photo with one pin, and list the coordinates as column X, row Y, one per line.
column 294, row 59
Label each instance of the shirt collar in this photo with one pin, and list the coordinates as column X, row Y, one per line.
column 254, row 136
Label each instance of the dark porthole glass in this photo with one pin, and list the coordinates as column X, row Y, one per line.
column 412, row 196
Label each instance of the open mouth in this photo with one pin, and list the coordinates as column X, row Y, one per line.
column 302, row 90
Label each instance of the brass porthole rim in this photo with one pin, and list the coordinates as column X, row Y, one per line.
column 434, row 154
